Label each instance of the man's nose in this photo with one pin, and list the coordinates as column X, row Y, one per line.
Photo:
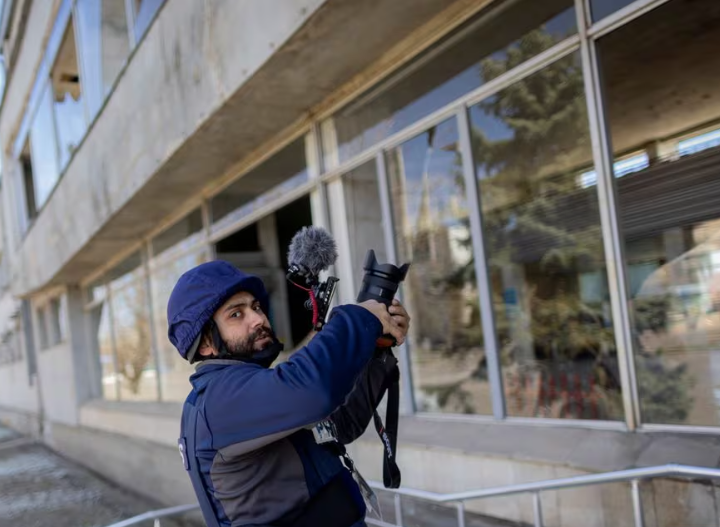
column 256, row 320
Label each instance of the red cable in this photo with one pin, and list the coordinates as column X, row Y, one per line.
column 316, row 314
column 313, row 301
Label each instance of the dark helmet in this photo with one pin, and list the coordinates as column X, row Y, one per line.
column 198, row 294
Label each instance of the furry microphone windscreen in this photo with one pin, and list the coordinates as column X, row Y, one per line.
column 313, row 250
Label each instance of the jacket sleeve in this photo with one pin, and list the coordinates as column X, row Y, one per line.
column 353, row 416
column 250, row 402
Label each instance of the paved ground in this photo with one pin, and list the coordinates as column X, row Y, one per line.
column 40, row 489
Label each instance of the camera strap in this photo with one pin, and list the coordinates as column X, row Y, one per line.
column 388, row 432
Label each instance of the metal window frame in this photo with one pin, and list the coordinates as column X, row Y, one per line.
column 407, row 384
column 154, row 348
column 610, row 225
column 482, row 271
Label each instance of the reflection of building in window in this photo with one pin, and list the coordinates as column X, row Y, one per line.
column 620, row 168
column 699, row 143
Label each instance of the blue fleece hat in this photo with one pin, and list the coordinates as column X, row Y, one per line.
column 198, row 294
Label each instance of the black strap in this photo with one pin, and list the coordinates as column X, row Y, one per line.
column 388, row 433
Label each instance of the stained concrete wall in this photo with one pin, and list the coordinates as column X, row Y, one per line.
column 211, row 82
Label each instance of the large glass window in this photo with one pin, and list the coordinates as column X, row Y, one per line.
column 121, row 321
column 100, row 320
column 67, row 98
column 181, row 235
column 602, row 8
column 44, row 150
column 283, row 172
column 544, row 245
column 145, row 11
column 432, row 231
column 513, row 31
column 176, row 250
column 661, row 78
column 363, row 217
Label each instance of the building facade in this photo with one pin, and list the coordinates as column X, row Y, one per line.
column 550, row 169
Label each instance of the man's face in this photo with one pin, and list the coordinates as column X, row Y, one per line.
column 243, row 325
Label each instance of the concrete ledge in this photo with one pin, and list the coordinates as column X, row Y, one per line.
column 142, row 466
column 578, row 448
column 571, row 447
column 27, row 423
column 155, row 422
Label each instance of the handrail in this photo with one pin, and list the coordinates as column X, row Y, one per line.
column 554, row 484
column 157, row 514
column 633, row 475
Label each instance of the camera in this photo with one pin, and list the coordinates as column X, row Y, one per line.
column 381, row 282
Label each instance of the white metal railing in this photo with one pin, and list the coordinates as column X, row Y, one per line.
column 634, row 476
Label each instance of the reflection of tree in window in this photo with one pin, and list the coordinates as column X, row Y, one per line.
column 542, row 233
column 132, row 334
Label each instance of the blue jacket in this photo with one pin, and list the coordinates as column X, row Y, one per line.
column 258, row 460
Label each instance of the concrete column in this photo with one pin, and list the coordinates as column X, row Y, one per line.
column 267, row 234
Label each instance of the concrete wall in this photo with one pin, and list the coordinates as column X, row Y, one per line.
column 201, row 84
column 17, row 391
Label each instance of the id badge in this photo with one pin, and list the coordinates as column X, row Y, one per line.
column 324, row 432
column 368, row 494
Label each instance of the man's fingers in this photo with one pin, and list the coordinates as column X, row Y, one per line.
column 400, row 321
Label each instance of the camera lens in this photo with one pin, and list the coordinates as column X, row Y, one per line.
column 380, row 282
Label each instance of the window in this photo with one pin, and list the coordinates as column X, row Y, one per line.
column 11, row 345
column 175, row 250
column 44, row 341
column 173, row 371
column 58, row 320
column 28, row 181
column 122, row 323
column 283, row 172
column 51, row 323
column 57, row 126
column 432, row 231
column 602, row 8
column 513, row 31
column 180, row 235
column 44, row 150
column 544, row 247
column 363, row 217
column 145, row 11
column 67, row 98
column 660, row 81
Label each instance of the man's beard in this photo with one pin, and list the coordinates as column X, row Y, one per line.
column 245, row 348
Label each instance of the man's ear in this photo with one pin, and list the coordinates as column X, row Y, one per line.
column 206, row 348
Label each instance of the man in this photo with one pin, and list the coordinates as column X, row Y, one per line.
column 246, row 434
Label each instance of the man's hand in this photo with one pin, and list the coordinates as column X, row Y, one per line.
column 395, row 322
